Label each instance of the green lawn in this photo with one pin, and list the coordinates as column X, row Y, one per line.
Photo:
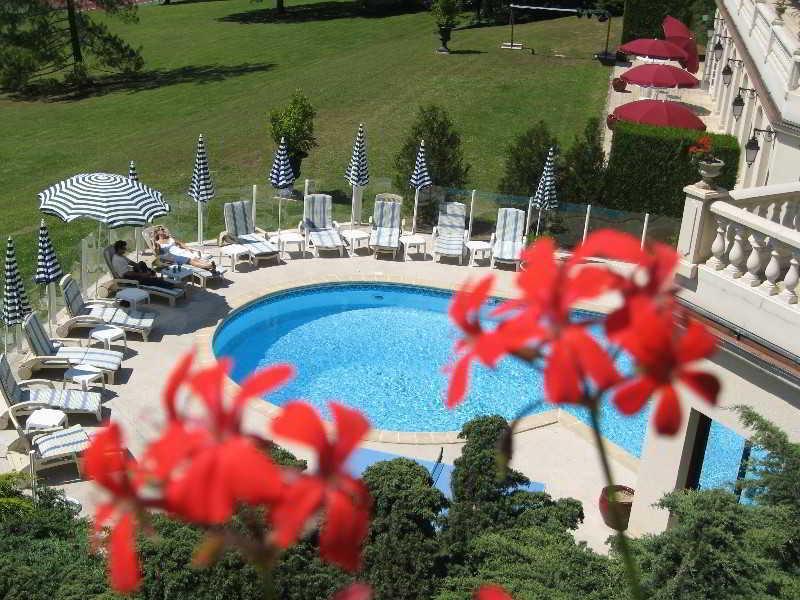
column 219, row 67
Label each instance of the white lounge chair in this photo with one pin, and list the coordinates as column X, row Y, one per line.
column 16, row 396
column 385, row 234
column 47, row 353
column 169, row 294
column 508, row 239
column 240, row 229
column 318, row 225
column 51, row 448
column 450, row 233
column 202, row 275
column 91, row 313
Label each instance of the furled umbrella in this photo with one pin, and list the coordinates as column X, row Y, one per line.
column 660, row 76
column 653, row 48
column 15, row 301
column 659, row 113
column 281, row 176
column 673, row 27
column 48, row 271
column 419, row 179
column 357, row 174
column 201, row 189
column 546, row 197
column 689, row 46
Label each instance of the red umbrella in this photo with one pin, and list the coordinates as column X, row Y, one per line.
column 692, row 62
column 659, row 112
column 674, row 28
column 654, row 49
column 660, row 76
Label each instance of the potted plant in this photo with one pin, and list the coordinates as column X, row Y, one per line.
column 615, row 506
column 619, row 84
column 709, row 166
column 780, row 9
column 444, row 13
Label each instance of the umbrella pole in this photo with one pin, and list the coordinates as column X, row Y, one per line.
column 528, row 216
column 51, row 318
column 200, row 225
column 538, row 221
column 414, row 220
column 353, row 210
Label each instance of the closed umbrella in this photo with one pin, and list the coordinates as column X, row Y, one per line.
column 546, row 197
column 281, row 176
column 659, row 112
column 419, row 179
column 202, row 187
column 654, row 49
column 15, row 301
column 357, row 174
column 675, row 28
column 688, row 45
column 48, row 271
column 660, row 76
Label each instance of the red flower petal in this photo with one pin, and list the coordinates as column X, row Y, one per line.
column 633, row 394
column 459, row 380
column 346, row 524
column 468, row 301
column 668, row 411
column 538, row 280
column 704, row 384
column 105, row 462
column 561, row 377
column 256, row 385
column 208, row 384
column 696, row 343
column 610, row 243
column 492, row 592
column 351, row 427
column 593, row 359
column 300, row 502
column 176, row 379
column 300, row 423
column 123, row 564
column 354, row 591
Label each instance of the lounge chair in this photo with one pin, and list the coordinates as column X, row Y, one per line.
column 47, row 353
column 202, row 275
column 450, row 233
column 169, row 294
column 91, row 313
column 23, row 401
column 50, row 448
column 508, row 239
column 240, row 229
column 385, row 234
column 318, row 225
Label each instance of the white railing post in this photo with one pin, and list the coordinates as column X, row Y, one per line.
column 644, row 228
column 471, row 210
column 792, row 278
column 255, row 196
column 586, row 222
column 755, row 262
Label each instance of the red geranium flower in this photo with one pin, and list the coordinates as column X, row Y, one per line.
column 663, row 359
column 342, row 501
column 354, row 591
column 491, row 592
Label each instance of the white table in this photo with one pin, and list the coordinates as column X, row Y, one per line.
column 290, row 237
column 84, row 375
column 45, row 418
column 477, row 246
column 133, row 296
column 107, row 334
column 177, row 274
column 413, row 243
column 234, row 252
column 355, row 239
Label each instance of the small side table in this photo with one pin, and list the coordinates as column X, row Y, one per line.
column 290, row 237
column 234, row 252
column 477, row 246
column 179, row 276
column 84, row 375
column 133, row 296
column 413, row 243
column 355, row 239
column 45, row 418
column 108, row 334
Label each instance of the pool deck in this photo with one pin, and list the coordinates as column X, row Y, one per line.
column 553, row 448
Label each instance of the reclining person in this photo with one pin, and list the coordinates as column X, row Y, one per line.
column 177, row 252
column 124, row 268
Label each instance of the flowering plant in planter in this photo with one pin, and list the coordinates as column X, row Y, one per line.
column 204, row 467
column 709, row 166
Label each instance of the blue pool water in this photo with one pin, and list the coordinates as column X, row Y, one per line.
column 381, row 348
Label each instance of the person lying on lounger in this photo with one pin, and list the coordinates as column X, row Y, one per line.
column 178, row 253
column 124, row 268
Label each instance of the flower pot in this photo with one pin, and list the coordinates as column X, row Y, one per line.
column 444, row 37
column 709, row 171
column 611, row 120
column 619, row 84
column 617, row 515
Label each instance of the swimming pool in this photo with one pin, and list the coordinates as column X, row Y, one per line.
column 381, row 348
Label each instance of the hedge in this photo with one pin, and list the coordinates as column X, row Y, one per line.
column 643, row 17
column 649, row 166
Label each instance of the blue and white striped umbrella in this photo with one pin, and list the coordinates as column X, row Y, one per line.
column 546, row 198
column 15, row 302
column 132, row 174
column 420, row 177
column 281, row 175
column 358, row 171
column 47, row 268
column 202, row 187
column 114, row 200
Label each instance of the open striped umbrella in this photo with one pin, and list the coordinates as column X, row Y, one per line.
column 357, row 174
column 48, row 271
column 201, row 189
column 281, row 176
column 114, row 200
column 420, row 178
column 132, row 174
column 546, row 197
column 15, row 301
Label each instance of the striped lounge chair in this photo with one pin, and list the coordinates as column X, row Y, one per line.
column 91, row 313
column 169, row 294
column 46, row 353
column 508, row 239
column 385, row 234
column 318, row 224
column 52, row 449
column 240, row 229
column 450, row 233
column 15, row 396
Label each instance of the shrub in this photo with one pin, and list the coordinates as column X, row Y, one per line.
column 295, row 123
column 584, row 167
column 649, row 166
column 525, row 159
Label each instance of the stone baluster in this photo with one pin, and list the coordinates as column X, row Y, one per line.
column 737, row 255
column 755, row 262
column 792, row 278
column 772, row 272
column 719, row 258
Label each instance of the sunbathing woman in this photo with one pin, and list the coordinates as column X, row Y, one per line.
column 177, row 252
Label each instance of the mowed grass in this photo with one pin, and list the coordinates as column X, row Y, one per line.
column 218, row 68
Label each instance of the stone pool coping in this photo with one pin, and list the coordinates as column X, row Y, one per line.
column 205, row 355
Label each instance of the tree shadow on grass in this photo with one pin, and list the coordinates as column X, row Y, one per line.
column 321, row 11
column 140, row 82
